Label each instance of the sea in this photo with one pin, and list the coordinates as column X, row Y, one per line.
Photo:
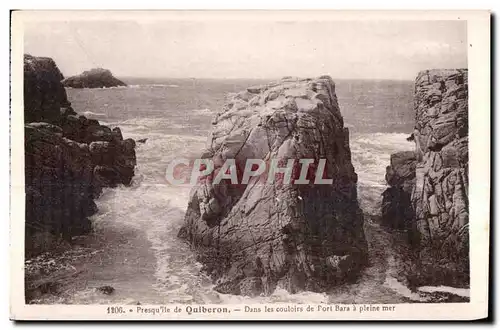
column 134, row 246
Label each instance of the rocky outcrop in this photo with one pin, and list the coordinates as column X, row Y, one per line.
column 95, row 78
column 439, row 195
column 68, row 160
column 45, row 96
column 255, row 236
column 396, row 200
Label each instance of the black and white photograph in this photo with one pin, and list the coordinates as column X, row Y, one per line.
column 191, row 164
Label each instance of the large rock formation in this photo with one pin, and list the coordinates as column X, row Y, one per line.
column 95, row 78
column 439, row 196
column 68, row 159
column 45, row 96
column 252, row 237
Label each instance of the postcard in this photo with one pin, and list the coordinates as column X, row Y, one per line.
column 250, row 165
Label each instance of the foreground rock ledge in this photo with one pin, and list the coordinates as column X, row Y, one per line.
column 95, row 78
column 252, row 238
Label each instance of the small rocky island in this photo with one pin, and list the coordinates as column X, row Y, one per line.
column 95, row 78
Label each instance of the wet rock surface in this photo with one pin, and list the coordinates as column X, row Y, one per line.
column 253, row 237
column 106, row 289
column 438, row 187
column 68, row 160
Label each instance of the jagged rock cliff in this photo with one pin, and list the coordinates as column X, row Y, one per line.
column 45, row 96
column 439, row 195
column 396, row 200
column 252, row 237
column 95, row 78
column 68, row 159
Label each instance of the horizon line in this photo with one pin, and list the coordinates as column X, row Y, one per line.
column 253, row 78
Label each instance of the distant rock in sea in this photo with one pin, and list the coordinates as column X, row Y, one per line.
column 95, row 78
column 254, row 237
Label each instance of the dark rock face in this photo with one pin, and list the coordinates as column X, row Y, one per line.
column 47, row 97
column 95, row 78
column 68, row 160
column 396, row 200
column 441, row 195
column 106, row 289
column 254, row 237
column 438, row 184
column 401, row 172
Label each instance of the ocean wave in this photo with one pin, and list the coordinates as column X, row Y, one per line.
column 157, row 209
column 279, row 295
column 115, row 87
column 160, row 85
column 370, row 156
column 402, row 290
column 391, row 141
column 95, row 114
column 133, row 86
column 145, row 127
column 144, row 121
column 153, row 86
column 205, row 111
column 447, row 289
column 99, row 88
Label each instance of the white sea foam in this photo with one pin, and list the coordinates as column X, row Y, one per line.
column 278, row 296
column 115, row 87
column 153, row 86
column 141, row 121
column 370, row 156
column 161, row 85
column 134, row 86
column 158, row 209
column 95, row 114
column 448, row 289
column 398, row 287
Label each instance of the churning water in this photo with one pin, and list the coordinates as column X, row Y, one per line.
column 135, row 247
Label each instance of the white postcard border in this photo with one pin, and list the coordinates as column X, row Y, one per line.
column 478, row 25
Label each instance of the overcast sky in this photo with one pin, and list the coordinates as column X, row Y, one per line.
column 251, row 49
